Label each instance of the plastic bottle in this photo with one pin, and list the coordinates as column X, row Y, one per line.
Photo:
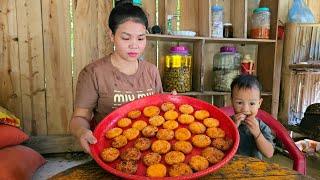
column 217, row 21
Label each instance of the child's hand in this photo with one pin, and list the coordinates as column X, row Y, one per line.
column 238, row 118
column 253, row 125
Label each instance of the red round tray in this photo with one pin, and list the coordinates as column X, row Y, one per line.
column 110, row 121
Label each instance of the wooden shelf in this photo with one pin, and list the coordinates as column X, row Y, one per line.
column 305, row 67
column 213, row 93
column 239, row 40
column 162, row 37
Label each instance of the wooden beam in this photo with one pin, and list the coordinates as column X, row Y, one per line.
column 30, row 36
column 58, row 65
column 10, row 89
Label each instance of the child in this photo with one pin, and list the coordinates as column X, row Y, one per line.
column 255, row 136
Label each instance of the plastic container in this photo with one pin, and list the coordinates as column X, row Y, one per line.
column 178, row 70
column 226, row 66
column 110, row 121
column 227, row 30
column 217, row 21
column 260, row 23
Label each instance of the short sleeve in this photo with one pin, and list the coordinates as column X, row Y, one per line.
column 266, row 131
column 86, row 90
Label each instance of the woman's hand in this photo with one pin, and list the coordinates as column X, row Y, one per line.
column 238, row 118
column 86, row 137
column 253, row 125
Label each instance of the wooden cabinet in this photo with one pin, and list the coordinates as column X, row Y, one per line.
column 195, row 16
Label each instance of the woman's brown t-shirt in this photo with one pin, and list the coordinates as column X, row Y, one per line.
column 102, row 88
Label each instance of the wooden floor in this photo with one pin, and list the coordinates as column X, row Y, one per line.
column 61, row 162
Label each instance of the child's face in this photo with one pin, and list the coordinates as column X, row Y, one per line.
column 246, row 101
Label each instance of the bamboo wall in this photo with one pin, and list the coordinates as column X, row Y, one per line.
column 39, row 67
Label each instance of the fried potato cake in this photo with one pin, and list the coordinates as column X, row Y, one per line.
column 119, row 141
column 130, row 154
column 167, row 106
column 157, row 170
column 185, row 119
column 156, row 120
column 151, row 158
column 124, row 122
column 215, row 132
column 131, row 133
column 171, row 115
column 129, row 167
column 161, row 146
column 114, row 132
column 174, row 157
column 165, row 134
column 198, row 163
column 142, row 144
column 223, row 144
column 109, row 154
column 180, row 169
column 197, row 128
column 183, row 146
column 201, row 114
column 170, row 125
column 201, row 140
column 150, row 111
column 186, row 109
column 149, row 131
column 182, row 134
column 213, row 155
column 140, row 124
column 211, row 122
column 134, row 114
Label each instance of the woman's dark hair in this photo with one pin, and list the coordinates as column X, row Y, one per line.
column 125, row 11
column 245, row 82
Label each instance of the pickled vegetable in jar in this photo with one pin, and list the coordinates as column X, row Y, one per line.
column 226, row 66
column 260, row 23
column 178, row 70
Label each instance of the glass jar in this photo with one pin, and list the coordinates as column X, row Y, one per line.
column 227, row 30
column 226, row 66
column 178, row 70
column 260, row 23
column 217, row 21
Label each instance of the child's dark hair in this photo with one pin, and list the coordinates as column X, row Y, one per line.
column 245, row 82
column 125, row 11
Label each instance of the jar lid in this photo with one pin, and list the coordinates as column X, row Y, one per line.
column 228, row 49
column 216, row 8
column 227, row 24
column 179, row 49
column 137, row 2
column 261, row 9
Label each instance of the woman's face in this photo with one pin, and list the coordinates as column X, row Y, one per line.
column 129, row 40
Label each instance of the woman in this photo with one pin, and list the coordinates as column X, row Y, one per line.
column 120, row 77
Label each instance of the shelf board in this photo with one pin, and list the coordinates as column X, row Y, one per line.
column 213, row 93
column 239, row 40
column 163, row 37
column 305, row 67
